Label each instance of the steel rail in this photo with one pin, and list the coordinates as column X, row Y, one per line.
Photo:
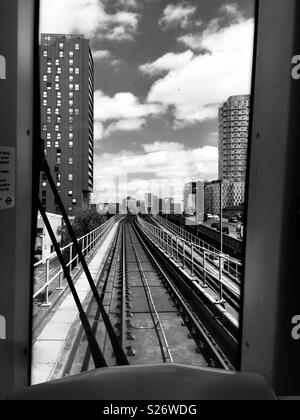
column 214, row 348
column 119, row 352
column 151, row 303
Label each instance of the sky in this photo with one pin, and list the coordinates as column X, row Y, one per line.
column 162, row 70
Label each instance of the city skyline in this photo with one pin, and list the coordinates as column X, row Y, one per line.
column 162, row 69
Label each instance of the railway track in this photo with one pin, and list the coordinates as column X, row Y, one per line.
column 152, row 317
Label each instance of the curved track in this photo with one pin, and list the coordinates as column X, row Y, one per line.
column 152, row 316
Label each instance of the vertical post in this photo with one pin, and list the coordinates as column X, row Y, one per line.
column 183, row 254
column 221, row 215
column 204, row 268
column 71, row 258
column 221, row 279
column 177, row 250
column 60, row 277
column 192, row 257
column 46, row 304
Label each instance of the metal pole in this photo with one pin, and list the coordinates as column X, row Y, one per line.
column 71, row 258
column 47, row 304
column 221, row 279
column 192, row 270
column 60, row 278
column 221, row 215
column 204, row 268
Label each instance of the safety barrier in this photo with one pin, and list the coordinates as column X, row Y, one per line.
column 199, row 260
column 87, row 243
column 235, row 266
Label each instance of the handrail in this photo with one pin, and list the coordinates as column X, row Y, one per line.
column 88, row 242
column 189, row 237
column 184, row 252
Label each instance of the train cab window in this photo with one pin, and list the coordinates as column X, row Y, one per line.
column 164, row 170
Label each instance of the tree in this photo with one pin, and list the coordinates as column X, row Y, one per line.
column 85, row 222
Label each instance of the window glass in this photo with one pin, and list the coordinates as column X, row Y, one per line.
column 151, row 129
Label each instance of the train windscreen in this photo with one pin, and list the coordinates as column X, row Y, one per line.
column 145, row 119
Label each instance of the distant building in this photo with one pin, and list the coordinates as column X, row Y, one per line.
column 131, row 206
column 233, row 194
column 234, row 117
column 44, row 246
column 194, row 200
column 166, row 206
column 67, row 114
column 177, row 209
column 149, row 202
column 152, row 203
column 102, row 208
column 142, row 207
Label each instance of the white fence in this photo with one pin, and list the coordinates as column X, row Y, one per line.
column 87, row 243
column 224, row 270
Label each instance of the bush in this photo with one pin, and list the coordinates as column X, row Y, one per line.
column 85, row 222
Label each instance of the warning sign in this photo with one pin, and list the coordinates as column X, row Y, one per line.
column 7, row 178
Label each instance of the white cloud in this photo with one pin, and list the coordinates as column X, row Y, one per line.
column 125, row 125
column 177, row 15
column 87, row 17
column 98, row 131
column 121, row 106
column 167, row 62
column 124, row 26
column 231, row 9
column 159, row 166
column 198, row 88
column 100, row 54
column 123, row 112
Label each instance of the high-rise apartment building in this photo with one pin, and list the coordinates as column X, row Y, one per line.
column 233, row 195
column 67, row 114
column 234, row 118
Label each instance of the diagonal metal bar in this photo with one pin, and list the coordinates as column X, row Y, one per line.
column 121, row 357
column 97, row 355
